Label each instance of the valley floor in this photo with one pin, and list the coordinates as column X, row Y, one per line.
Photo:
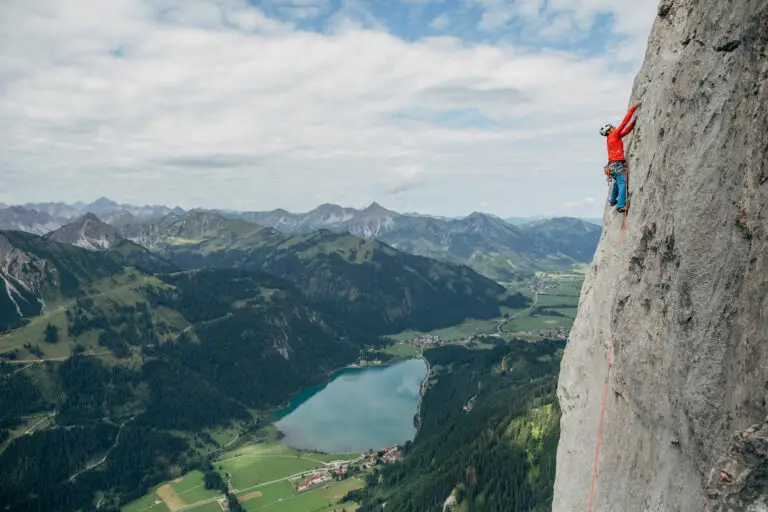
column 550, row 315
column 264, row 476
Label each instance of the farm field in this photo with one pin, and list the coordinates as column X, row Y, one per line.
column 260, row 474
column 467, row 328
column 313, row 500
column 250, row 470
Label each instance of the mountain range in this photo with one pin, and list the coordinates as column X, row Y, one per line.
column 148, row 324
column 383, row 287
column 496, row 248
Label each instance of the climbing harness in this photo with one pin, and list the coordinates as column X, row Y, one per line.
column 600, row 430
column 614, row 168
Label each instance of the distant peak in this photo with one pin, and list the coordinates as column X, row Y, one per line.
column 481, row 215
column 326, row 208
column 375, row 207
column 105, row 201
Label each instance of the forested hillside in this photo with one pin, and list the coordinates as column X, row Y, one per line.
column 141, row 373
column 33, row 270
column 252, row 342
column 383, row 290
column 497, row 457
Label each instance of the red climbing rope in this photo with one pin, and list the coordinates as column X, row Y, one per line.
column 600, row 430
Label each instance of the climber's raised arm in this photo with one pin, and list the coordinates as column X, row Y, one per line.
column 625, row 128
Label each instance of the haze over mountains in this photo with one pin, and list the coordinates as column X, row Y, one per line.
column 496, row 248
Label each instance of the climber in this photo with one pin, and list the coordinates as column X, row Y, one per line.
column 617, row 166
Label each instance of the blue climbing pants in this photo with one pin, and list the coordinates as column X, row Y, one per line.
column 619, row 189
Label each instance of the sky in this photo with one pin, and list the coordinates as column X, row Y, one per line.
column 434, row 106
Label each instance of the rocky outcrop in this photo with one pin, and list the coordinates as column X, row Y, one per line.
column 88, row 232
column 685, row 299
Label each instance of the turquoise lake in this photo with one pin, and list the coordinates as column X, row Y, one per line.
column 359, row 409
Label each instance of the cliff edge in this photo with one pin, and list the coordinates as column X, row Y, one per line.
column 685, row 299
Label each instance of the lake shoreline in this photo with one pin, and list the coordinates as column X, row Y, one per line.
column 309, row 394
column 422, row 390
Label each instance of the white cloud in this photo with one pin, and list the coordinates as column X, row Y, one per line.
column 441, row 21
column 215, row 104
column 493, row 19
column 403, row 179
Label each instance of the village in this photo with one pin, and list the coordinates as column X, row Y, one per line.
column 431, row 340
column 341, row 469
column 363, row 362
column 557, row 333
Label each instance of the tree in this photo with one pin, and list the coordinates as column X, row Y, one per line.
column 51, row 334
column 212, row 480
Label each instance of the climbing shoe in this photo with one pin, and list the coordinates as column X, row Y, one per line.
column 623, row 209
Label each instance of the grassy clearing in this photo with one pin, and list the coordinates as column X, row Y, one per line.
column 252, row 465
column 208, row 507
column 31, row 424
column 402, row 350
column 536, row 323
column 191, row 489
column 224, row 435
column 569, row 312
column 147, row 503
column 270, row 494
column 282, row 498
column 467, row 328
column 106, row 294
column 33, row 334
column 248, row 471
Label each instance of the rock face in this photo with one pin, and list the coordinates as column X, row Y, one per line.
column 685, row 299
column 88, row 232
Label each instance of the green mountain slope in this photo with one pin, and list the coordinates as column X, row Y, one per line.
column 501, row 250
column 251, row 341
column 130, row 254
column 144, row 372
column 496, row 248
column 147, row 367
column 34, row 270
column 499, row 456
column 379, row 288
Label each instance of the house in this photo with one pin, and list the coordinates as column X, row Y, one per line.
column 317, row 478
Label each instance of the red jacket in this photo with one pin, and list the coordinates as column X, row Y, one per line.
column 615, row 144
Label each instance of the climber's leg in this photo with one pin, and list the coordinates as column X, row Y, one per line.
column 621, row 184
column 614, row 192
